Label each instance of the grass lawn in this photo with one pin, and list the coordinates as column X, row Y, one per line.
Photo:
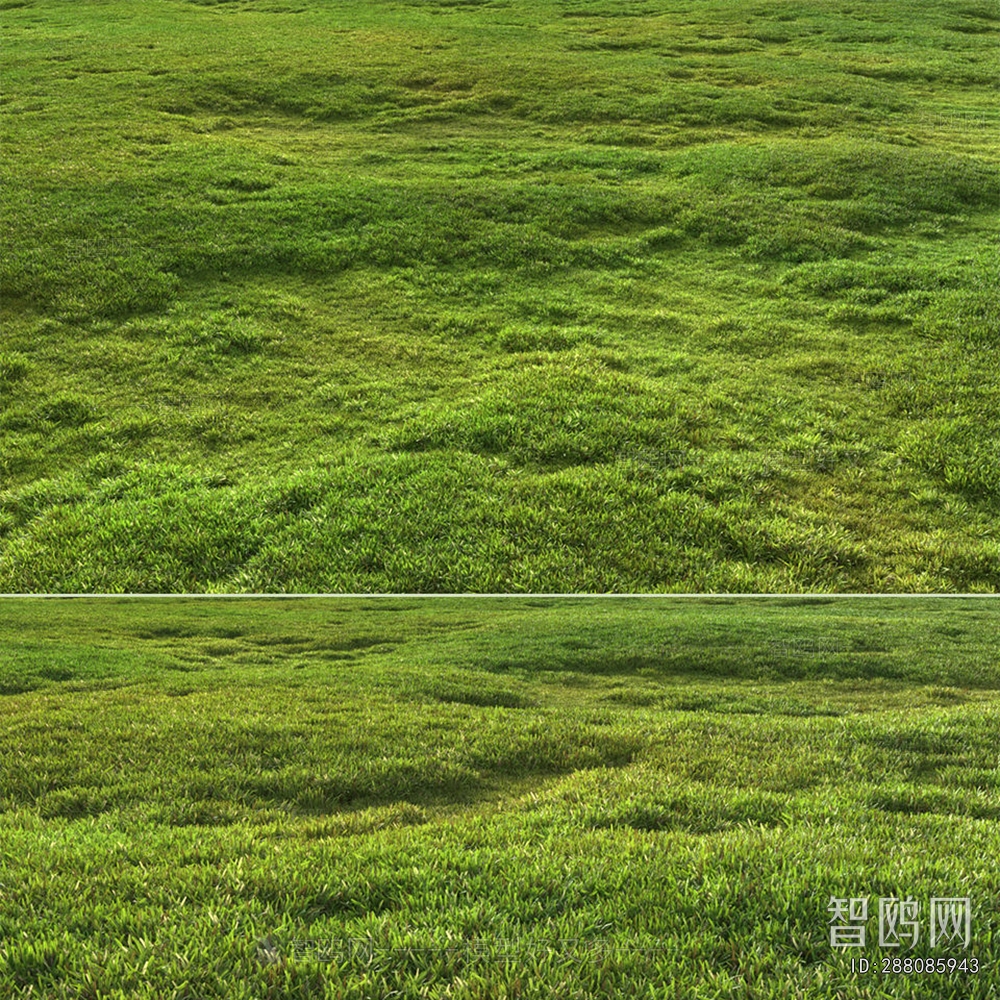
column 494, row 798
column 499, row 296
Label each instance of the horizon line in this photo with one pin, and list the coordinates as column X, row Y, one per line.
column 465, row 595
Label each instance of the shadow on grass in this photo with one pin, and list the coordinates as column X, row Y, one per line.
column 834, row 656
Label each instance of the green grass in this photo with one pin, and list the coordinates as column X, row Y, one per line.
column 490, row 798
column 499, row 296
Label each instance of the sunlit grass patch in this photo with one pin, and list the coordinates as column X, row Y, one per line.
column 508, row 261
column 584, row 795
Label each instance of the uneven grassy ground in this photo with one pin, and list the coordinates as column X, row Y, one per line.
column 546, row 295
column 522, row 798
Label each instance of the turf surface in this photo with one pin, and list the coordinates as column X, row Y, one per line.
column 550, row 296
column 497, row 798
